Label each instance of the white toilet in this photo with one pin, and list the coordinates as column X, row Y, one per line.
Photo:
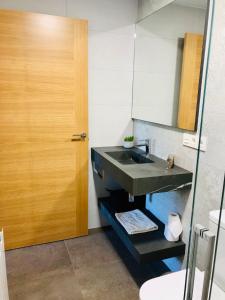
column 171, row 286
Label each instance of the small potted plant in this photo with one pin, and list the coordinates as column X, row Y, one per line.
column 128, row 142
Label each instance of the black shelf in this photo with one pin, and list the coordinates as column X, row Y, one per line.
column 144, row 247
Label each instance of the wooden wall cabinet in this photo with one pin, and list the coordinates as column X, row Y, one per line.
column 189, row 87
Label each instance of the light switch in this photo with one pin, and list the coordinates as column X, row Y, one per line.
column 191, row 140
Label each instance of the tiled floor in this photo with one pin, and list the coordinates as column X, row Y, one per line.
column 96, row 267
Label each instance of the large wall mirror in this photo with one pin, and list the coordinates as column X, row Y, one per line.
column 169, row 47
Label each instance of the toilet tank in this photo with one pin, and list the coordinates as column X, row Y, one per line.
column 219, row 276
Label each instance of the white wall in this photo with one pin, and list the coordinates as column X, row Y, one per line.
column 111, row 47
column 193, row 3
column 146, row 7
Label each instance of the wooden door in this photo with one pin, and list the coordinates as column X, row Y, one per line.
column 43, row 102
column 189, row 87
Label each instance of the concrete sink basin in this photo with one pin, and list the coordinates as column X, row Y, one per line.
column 129, row 157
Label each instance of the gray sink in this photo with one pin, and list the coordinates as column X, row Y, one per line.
column 135, row 173
column 129, row 157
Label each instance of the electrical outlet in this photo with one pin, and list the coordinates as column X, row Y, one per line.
column 192, row 140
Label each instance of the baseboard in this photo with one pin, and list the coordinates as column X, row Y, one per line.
column 99, row 229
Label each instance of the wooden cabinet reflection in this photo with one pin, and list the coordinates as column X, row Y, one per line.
column 190, row 75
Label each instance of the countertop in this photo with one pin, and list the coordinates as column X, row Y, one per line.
column 139, row 179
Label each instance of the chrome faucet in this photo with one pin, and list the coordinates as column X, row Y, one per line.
column 147, row 144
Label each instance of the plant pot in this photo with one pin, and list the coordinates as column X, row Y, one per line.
column 128, row 145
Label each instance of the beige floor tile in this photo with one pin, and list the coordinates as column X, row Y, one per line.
column 107, row 281
column 92, row 250
column 59, row 284
column 96, row 267
column 36, row 259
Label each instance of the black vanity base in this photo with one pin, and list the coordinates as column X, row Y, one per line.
column 145, row 247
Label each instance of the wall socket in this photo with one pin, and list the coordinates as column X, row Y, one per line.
column 191, row 140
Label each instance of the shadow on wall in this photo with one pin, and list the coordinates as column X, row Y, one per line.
column 147, row 7
column 161, row 205
column 99, row 184
column 101, row 138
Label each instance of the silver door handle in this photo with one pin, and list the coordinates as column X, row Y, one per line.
column 203, row 233
column 79, row 137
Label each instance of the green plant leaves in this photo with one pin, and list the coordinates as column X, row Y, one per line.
column 129, row 138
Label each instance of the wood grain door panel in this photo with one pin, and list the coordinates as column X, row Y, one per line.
column 190, row 76
column 43, row 102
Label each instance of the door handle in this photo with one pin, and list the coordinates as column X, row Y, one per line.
column 200, row 232
column 79, row 137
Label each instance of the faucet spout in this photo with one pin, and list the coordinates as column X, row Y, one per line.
column 147, row 144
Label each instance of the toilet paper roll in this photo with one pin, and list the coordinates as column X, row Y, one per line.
column 174, row 228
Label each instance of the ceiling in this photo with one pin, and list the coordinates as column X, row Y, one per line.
column 193, row 3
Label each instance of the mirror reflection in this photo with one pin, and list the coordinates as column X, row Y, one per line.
column 167, row 66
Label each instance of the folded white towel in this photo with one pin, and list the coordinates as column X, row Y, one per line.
column 136, row 221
